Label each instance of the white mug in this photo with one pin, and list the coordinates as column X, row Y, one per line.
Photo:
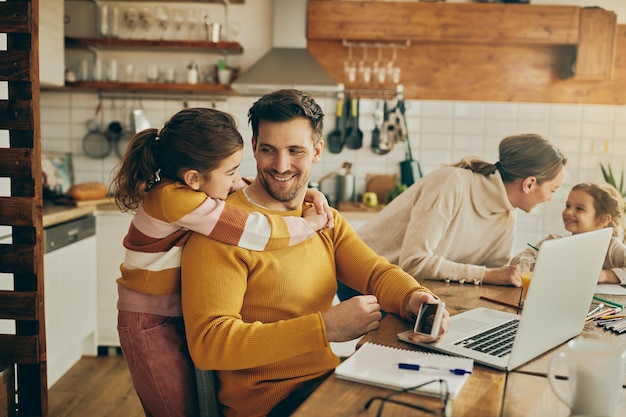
column 596, row 373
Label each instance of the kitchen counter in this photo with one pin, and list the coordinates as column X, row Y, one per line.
column 54, row 213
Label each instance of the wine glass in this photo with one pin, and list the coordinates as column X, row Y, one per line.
column 178, row 19
column 349, row 67
column 392, row 68
column 131, row 20
column 377, row 67
column 364, row 68
column 192, row 23
column 235, row 29
column 145, row 21
column 162, row 19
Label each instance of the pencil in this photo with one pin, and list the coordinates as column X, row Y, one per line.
column 613, row 303
column 535, row 248
column 502, row 303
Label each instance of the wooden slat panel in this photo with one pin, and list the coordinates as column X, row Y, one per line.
column 18, row 305
column 17, row 211
column 33, row 396
column 20, row 349
column 443, row 22
column 596, row 47
column 16, row 162
column 18, row 259
column 15, row 16
column 14, row 65
column 16, row 115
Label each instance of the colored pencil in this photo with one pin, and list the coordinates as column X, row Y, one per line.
column 605, row 301
column 534, row 247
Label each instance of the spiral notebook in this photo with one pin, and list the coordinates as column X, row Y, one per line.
column 377, row 365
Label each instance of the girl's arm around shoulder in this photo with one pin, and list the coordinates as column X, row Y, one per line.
column 230, row 224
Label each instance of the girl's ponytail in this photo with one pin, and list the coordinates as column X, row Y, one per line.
column 137, row 170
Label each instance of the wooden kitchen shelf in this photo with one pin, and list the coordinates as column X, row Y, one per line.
column 196, row 89
column 162, row 45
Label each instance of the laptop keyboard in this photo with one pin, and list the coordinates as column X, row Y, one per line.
column 496, row 342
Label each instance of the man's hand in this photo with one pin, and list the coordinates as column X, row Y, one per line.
column 415, row 303
column 507, row 275
column 352, row 318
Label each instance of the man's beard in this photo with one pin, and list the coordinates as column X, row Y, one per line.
column 284, row 196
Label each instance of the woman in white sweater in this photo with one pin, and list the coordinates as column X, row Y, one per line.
column 458, row 222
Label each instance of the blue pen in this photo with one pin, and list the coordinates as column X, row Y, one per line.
column 414, row 367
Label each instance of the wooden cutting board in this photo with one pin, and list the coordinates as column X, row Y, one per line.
column 380, row 184
column 79, row 203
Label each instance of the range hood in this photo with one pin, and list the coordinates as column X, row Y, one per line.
column 288, row 64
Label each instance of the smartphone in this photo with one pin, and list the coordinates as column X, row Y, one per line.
column 429, row 319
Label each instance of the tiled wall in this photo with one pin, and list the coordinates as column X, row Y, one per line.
column 440, row 132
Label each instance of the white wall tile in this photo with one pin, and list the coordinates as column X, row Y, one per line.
column 469, row 109
column 440, row 132
column 566, row 112
column 600, row 114
column 501, row 111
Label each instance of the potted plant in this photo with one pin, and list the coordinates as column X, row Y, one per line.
column 609, row 177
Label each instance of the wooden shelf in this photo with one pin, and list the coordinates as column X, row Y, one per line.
column 162, row 45
column 156, row 88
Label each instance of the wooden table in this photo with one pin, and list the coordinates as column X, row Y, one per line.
column 524, row 392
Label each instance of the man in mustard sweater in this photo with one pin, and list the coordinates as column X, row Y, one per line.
column 264, row 320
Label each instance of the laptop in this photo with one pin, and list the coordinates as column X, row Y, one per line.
column 556, row 306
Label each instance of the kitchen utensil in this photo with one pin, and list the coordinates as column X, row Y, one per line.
column 140, row 120
column 114, row 130
column 348, row 119
column 378, row 122
column 355, row 139
column 336, row 137
column 96, row 143
column 127, row 134
column 386, row 132
column 410, row 169
column 213, row 29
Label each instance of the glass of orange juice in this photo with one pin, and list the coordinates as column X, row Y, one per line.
column 527, row 265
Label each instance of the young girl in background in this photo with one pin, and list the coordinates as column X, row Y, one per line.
column 593, row 206
column 175, row 181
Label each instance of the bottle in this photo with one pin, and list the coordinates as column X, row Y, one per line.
column 104, row 21
column 114, row 23
column 344, row 184
column 192, row 73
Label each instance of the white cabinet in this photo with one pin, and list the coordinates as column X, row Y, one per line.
column 70, row 296
column 112, row 226
column 51, row 43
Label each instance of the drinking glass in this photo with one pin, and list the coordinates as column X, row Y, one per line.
column 163, row 20
column 349, row 66
column 364, row 68
column 527, row 266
